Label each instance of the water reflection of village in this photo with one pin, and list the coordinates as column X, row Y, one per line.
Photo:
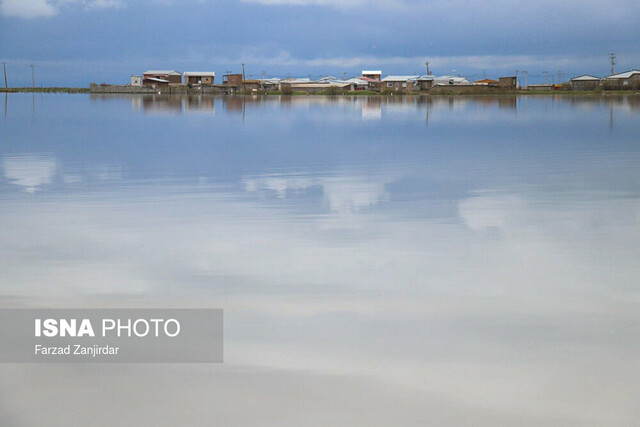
column 370, row 108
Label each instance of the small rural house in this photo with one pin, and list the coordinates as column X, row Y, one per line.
column 251, row 85
column 584, row 82
column 232, row 79
column 372, row 74
column 510, row 82
column 199, row 77
column 425, row 82
column 157, row 78
column 372, row 84
column 627, row 80
column 136, row 80
column 486, row 82
column 450, row 81
column 399, row 83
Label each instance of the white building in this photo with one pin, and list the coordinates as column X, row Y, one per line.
column 397, row 83
column 450, row 81
column 136, row 80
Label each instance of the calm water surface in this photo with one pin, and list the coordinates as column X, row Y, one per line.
column 381, row 261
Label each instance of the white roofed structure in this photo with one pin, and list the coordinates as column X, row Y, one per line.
column 163, row 72
column 200, row 73
column 625, row 75
column 585, row 78
column 451, row 81
column 400, row 78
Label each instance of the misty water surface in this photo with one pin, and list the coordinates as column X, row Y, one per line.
column 381, row 261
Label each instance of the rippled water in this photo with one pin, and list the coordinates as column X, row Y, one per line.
column 381, row 261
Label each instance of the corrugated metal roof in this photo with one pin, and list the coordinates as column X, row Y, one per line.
column 585, row 77
column 355, row 80
column 165, row 72
column 199, row 73
column 624, row 75
column 319, row 85
column 153, row 79
column 444, row 81
column 399, row 78
column 296, row 80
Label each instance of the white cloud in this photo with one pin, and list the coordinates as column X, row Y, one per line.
column 27, row 8
column 30, row 172
column 338, row 4
column 47, row 8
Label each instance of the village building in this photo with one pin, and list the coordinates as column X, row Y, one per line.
column 269, row 84
column 425, row 82
column 372, row 74
column 584, row 82
column 627, row 80
column 309, row 87
column 158, row 78
column 252, row 85
column 372, row 84
column 232, row 79
column 355, row 83
column 199, row 77
column 510, row 82
column 136, row 80
column 398, row 83
column 486, row 82
column 450, row 81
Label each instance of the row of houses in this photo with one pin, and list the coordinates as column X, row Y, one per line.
column 371, row 80
column 627, row 80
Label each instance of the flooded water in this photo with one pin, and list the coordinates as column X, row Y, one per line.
column 381, row 261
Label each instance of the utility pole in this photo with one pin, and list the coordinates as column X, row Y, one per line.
column 344, row 75
column 33, row 81
column 428, row 72
column 242, row 72
column 613, row 60
column 546, row 77
column 4, row 68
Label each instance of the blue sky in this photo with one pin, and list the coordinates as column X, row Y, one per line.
column 75, row 42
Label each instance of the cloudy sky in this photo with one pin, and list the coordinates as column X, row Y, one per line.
column 75, row 42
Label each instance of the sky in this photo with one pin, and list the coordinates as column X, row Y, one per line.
column 76, row 42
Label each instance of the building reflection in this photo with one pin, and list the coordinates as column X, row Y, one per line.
column 199, row 104
column 372, row 108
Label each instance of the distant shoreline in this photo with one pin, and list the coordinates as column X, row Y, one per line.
column 472, row 91
column 45, row 89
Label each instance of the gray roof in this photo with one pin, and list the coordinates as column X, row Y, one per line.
column 399, row 78
column 624, row 75
column 165, row 72
column 153, row 79
column 585, row 77
column 200, row 73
